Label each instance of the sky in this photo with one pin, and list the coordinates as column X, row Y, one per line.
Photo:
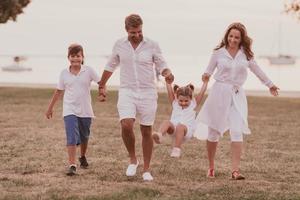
column 182, row 27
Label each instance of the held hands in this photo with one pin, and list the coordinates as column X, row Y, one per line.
column 169, row 77
column 274, row 90
column 205, row 77
column 102, row 93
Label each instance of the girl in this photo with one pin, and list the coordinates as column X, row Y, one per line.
column 74, row 83
column 226, row 105
column 182, row 122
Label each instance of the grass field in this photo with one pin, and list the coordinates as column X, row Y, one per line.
column 34, row 160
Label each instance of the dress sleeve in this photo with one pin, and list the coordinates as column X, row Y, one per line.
column 259, row 73
column 212, row 64
column 113, row 61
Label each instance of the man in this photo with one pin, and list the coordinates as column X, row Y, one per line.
column 136, row 57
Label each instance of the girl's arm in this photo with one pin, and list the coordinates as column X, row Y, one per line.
column 200, row 95
column 170, row 93
column 55, row 97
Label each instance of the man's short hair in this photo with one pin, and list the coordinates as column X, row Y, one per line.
column 133, row 21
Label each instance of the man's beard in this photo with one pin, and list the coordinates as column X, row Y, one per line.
column 136, row 40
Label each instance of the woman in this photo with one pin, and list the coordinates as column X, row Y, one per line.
column 226, row 105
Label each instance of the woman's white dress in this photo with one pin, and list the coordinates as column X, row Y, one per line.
column 226, row 105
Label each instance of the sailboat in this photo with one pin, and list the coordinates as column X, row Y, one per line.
column 280, row 58
column 16, row 67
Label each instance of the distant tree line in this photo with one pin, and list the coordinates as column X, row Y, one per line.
column 9, row 9
column 293, row 7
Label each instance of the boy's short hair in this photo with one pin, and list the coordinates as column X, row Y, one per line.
column 74, row 49
column 133, row 21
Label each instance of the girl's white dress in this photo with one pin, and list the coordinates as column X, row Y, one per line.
column 226, row 105
column 184, row 116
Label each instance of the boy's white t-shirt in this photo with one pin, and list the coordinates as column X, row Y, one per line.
column 77, row 96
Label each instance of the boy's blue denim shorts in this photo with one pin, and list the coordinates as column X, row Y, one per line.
column 77, row 129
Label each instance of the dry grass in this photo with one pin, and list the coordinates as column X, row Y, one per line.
column 34, row 160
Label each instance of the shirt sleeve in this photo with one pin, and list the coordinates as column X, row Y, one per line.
column 158, row 59
column 113, row 61
column 61, row 85
column 259, row 73
column 212, row 64
column 94, row 76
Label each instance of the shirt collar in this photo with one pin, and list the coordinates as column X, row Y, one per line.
column 225, row 51
column 82, row 69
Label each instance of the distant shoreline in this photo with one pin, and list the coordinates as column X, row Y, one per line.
column 264, row 93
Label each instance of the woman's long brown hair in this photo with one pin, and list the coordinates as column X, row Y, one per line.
column 246, row 41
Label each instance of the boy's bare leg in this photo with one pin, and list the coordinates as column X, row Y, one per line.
column 72, row 154
column 83, row 148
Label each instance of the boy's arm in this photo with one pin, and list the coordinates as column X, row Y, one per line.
column 102, row 85
column 170, row 93
column 201, row 93
column 55, row 97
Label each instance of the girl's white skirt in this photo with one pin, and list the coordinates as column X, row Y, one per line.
column 224, row 109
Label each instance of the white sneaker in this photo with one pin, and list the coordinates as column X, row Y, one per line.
column 176, row 152
column 147, row 176
column 157, row 137
column 131, row 169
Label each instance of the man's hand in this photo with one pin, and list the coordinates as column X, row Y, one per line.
column 102, row 93
column 205, row 77
column 169, row 78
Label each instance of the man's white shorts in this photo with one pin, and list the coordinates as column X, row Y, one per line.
column 132, row 104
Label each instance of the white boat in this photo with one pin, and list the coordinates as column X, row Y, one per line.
column 16, row 67
column 281, row 60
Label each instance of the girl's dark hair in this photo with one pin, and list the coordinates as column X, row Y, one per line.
column 75, row 49
column 184, row 91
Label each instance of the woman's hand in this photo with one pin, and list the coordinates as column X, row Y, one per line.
column 274, row 90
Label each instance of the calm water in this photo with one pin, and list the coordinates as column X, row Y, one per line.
column 186, row 36
column 187, row 69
